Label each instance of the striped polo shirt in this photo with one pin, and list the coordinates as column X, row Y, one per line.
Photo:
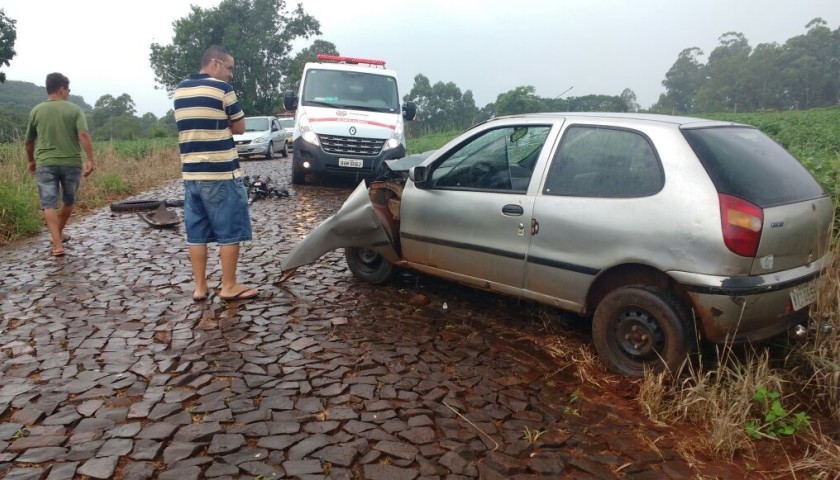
column 203, row 106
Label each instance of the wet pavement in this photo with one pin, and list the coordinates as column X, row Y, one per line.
column 110, row 370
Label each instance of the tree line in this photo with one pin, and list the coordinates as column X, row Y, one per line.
column 804, row 72
column 109, row 118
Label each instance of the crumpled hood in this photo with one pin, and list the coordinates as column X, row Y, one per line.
column 404, row 164
column 354, row 225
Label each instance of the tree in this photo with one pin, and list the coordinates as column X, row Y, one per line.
column 597, row 103
column 726, row 88
column 294, row 67
column 628, row 98
column 442, row 106
column 257, row 33
column 519, row 100
column 115, row 118
column 809, row 67
column 684, row 79
column 108, row 107
column 8, row 34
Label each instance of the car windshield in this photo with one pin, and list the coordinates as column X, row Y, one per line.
column 287, row 122
column 256, row 124
column 743, row 162
column 351, row 90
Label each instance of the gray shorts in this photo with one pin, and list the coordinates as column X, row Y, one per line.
column 53, row 181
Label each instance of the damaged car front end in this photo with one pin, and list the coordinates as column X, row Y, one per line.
column 366, row 226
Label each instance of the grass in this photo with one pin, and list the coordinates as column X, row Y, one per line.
column 428, row 142
column 123, row 168
column 732, row 398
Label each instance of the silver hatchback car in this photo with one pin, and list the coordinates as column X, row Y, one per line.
column 658, row 228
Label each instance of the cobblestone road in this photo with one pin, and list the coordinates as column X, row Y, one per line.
column 109, row 370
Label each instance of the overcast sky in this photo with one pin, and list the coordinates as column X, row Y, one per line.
column 487, row 46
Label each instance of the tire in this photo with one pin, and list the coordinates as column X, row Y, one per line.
column 285, row 152
column 135, row 205
column 298, row 175
column 270, row 153
column 637, row 327
column 367, row 265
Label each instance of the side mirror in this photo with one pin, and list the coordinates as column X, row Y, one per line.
column 409, row 110
column 417, row 174
column 290, row 101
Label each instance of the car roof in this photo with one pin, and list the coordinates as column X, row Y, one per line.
column 682, row 122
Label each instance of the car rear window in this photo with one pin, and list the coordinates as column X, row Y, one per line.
column 743, row 162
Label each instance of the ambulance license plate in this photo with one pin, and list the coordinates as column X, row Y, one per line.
column 351, row 162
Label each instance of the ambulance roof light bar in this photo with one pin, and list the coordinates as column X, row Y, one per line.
column 352, row 60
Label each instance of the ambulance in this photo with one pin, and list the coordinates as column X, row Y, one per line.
column 348, row 118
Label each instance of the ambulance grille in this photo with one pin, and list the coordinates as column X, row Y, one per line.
column 351, row 146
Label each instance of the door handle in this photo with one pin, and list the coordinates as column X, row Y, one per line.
column 512, row 210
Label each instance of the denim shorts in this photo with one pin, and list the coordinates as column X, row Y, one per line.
column 216, row 211
column 55, row 180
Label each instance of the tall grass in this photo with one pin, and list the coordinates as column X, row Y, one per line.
column 720, row 396
column 122, row 168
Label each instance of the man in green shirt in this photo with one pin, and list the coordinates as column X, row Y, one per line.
column 56, row 133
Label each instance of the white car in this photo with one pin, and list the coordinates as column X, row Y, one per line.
column 288, row 124
column 263, row 136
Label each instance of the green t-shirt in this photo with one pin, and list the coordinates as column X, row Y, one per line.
column 54, row 126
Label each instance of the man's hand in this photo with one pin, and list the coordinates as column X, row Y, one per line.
column 89, row 167
column 29, row 147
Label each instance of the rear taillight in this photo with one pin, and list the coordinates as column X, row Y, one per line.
column 741, row 222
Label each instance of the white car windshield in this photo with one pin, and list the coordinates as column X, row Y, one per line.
column 256, row 124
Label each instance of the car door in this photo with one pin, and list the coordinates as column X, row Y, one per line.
column 470, row 220
column 597, row 207
column 277, row 136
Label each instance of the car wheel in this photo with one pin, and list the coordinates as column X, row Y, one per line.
column 285, row 152
column 637, row 327
column 368, row 265
column 298, row 175
column 270, row 153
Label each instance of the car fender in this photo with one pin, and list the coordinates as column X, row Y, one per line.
column 354, row 225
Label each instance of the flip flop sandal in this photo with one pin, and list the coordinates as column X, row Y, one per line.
column 241, row 295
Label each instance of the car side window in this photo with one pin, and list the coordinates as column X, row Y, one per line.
column 594, row 161
column 498, row 159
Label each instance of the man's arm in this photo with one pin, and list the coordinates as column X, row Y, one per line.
column 237, row 127
column 87, row 146
column 29, row 146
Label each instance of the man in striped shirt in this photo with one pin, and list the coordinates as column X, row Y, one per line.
column 215, row 200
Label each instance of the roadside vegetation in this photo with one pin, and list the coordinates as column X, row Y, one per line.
column 123, row 168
